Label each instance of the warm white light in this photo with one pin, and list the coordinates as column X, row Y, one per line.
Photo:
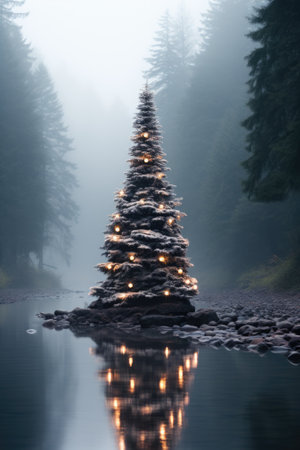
column 167, row 352
column 162, row 432
column 180, row 271
column 146, row 160
column 115, row 238
column 109, row 266
column 130, row 285
column 195, row 360
column 131, row 257
column 161, row 206
column 115, row 403
column 170, row 221
column 109, row 376
column 121, row 193
column 188, row 364
column 187, row 281
column 123, row 349
column 122, row 296
column 122, row 443
column 180, row 376
column 117, row 216
column 179, row 418
column 142, row 201
column 132, row 384
column 146, row 135
column 161, row 258
column 195, row 287
column 130, row 361
column 171, row 419
column 162, row 384
column 166, row 292
column 160, row 175
column 117, row 229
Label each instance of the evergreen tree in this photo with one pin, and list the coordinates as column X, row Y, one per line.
column 144, row 246
column 273, row 127
column 59, row 209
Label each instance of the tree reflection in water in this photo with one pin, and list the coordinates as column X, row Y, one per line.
column 147, row 380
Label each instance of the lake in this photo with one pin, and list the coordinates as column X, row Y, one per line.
column 115, row 391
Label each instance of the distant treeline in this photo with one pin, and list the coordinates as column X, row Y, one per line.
column 36, row 180
column 230, row 112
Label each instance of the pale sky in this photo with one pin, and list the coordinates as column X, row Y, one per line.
column 100, row 43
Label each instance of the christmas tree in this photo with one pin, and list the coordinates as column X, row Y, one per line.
column 145, row 249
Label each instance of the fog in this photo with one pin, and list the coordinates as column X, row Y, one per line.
column 95, row 52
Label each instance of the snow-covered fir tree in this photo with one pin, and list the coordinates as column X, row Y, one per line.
column 145, row 249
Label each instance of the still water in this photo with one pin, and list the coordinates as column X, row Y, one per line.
column 109, row 391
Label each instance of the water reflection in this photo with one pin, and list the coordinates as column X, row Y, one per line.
column 147, row 381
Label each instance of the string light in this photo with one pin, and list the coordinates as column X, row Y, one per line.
column 162, row 384
column 170, row 221
column 171, row 419
column 109, row 376
column 115, row 238
column 109, row 266
column 166, row 292
column 161, row 258
column 122, row 296
column 188, row 364
column 132, row 385
column 195, row 360
column 132, row 257
column 117, row 216
column 145, row 135
column 123, row 349
column 142, row 201
column 146, row 160
column 117, row 229
column 180, row 271
column 121, row 193
column 161, row 206
column 115, row 403
column 195, row 287
column 130, row 361
column 160, row 175
column 130, row 285
column 167, row 352
column 187, row 281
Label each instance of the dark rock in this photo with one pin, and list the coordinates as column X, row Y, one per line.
column 62, row 324
column 294, row 342
column 266, row 323
column 82, row 312
column 189, row 328
column 284, row 325
column 294, row 357
column 58, row 312
column 157, row 320
column 296, row 329
column 174, row 309
column 262, row 347
column 240, row 323
column 50, row 323
column 46, row 316
column 201, row 317
column 246, row 330
column 230, row 343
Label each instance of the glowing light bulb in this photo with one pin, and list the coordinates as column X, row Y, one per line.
column 179, row 418
column 187, row 281
column 142, row 201
column 117, row 216
column 122, row 296
column 180, row 271
column 109, row 376
column 130, row 285
column 121, row 193
column 195, row 360
column 123, row 349
column 162, row 384
column 132, row 384
column 161, row 258
column 171, row 419
column 146, row 135
column 160, row 175
column 115, row 403
column 170, row 221
column 167, row 352
column 162, row 432
column 180, row 376
column 130, row 361
column 115, row 238
column 109, row 266
column 166, row 292
column 195, row 287
column 161, row 206
column 146, row 160
column 131, row 257
column 117, row 229
column 188, row 364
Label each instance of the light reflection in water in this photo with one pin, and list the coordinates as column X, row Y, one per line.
column 147, row 391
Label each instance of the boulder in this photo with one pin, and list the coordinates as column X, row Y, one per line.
column 296, row 329
column 202, row 317
column 284, row 325
column 294, row 342
column 160, row 320
column 294, row 357
column 50, row 323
